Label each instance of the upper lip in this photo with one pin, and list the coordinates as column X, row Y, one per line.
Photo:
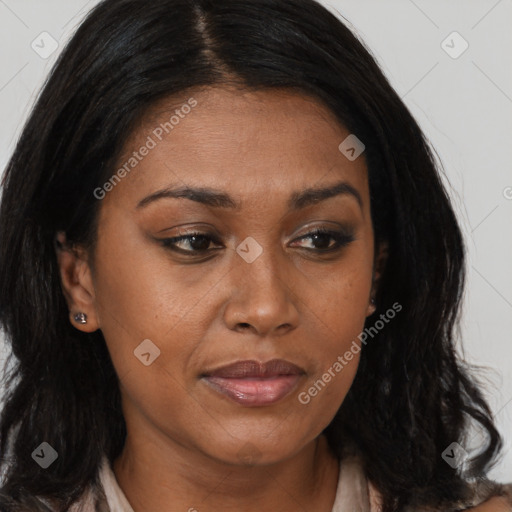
column 251, row 368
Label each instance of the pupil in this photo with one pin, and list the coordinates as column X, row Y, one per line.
column 325, row 237
column 199, row 243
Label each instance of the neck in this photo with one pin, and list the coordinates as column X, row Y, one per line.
column 157, row 475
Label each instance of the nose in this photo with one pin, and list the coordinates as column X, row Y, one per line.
column 263, row 297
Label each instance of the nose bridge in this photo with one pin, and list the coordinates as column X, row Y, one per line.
column 262, row 295
column 261, row 264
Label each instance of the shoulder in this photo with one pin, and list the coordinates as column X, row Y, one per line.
column 500, row 502
column 489, row 497
column 495, row 504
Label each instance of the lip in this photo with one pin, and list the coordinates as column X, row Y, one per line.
column 254, row 384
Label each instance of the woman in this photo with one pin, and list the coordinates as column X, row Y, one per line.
column 230, row 276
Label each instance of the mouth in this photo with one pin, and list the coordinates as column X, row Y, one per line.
column 255, row 384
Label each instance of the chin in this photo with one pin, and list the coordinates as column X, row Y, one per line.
column 259, row 451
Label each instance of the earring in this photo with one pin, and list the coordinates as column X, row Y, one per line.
column 80, row 318
column 373, row 307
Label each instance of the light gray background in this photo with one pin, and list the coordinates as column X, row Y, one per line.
column 463, row 104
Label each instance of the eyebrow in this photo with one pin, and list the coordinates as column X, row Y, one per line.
column 219, row 199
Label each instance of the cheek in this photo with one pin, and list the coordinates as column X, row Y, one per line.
column 341, row 311
column 137, row 289
column 342, row 304
column 326, row 388
column 135, row 301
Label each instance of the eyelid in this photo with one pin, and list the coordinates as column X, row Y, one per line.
column 327, row 226
column 193, row 229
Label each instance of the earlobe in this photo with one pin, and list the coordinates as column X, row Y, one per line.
column 371, row 307
column 77, row 285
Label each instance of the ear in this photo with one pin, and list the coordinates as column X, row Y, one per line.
column 77, row 283
column 381, row 258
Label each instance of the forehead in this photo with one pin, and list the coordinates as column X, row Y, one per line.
column 249, row 143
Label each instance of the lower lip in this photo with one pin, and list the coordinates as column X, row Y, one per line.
column 254, row 392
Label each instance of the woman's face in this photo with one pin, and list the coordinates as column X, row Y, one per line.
column 255, row 286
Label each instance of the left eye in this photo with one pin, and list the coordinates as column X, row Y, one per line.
column 200, row 242
column 321, row 237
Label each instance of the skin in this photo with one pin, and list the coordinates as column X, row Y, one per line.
column 497, row 504
column 186, row 443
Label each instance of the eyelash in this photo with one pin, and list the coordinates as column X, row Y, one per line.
column 341, row 239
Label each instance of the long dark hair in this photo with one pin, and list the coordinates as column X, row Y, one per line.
column 411, row 397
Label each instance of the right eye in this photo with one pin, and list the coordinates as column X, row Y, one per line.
column 198, row 242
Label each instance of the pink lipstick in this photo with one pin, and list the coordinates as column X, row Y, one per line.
column 254, row 384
